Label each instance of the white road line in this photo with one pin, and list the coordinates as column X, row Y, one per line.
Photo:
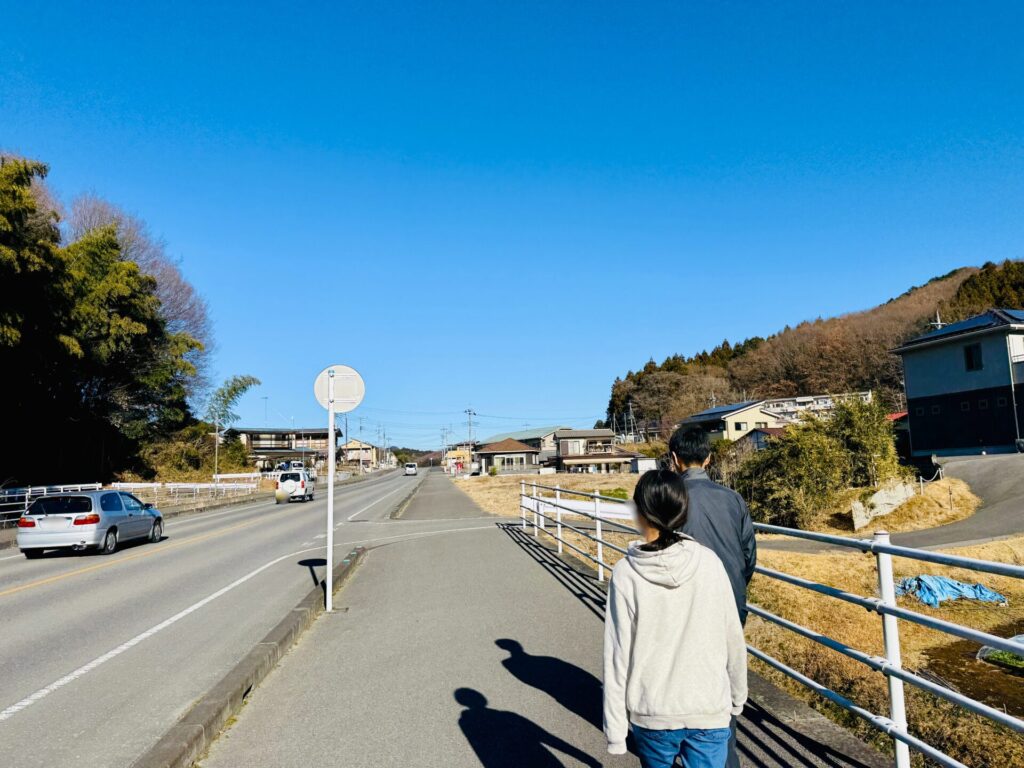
column 378, row 501
column 42, row 693
column 87, row 668
column 10, row 557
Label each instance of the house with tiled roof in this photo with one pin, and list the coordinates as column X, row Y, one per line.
column 961, row 382
column 590, row 450
column 508, row 455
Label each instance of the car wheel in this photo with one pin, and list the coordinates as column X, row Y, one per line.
column 109, row 544
column 32, row 554
column 157, row 533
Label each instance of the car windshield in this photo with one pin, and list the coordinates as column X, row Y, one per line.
column 410, row 466
column 290, row 476
column 60, row 505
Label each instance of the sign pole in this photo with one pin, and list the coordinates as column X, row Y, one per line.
column 337, row 397
column 330, row 490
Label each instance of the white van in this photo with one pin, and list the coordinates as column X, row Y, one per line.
column 410, row 468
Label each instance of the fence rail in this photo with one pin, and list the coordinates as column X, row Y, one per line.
column 14, row 501
column 604, row 510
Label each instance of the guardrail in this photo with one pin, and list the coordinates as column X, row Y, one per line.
column 179, row 493
column 604, row 510
column 14, row 501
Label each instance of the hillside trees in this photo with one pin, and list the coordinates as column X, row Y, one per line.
column 92, row 368
column 825, row 356
column 994, row 286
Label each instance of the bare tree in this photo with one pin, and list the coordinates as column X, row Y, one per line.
column 182, row 307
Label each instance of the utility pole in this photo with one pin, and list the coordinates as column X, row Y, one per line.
column 216, row 448
column 470, row 413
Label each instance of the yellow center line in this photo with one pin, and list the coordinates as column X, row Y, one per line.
column 126, row 558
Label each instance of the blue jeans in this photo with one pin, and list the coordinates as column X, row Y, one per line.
column 696, row 747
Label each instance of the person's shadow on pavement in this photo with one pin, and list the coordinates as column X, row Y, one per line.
column 575, row 689
column 508, row 740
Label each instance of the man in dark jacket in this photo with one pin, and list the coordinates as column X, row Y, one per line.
column 718, row 519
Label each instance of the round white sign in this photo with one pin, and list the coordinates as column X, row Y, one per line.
column 349, row 388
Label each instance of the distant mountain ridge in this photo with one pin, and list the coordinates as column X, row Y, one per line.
column 846, row 353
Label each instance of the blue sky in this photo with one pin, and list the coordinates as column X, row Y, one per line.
column 505, row 206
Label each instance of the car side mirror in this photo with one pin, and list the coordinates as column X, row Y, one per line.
column 147, row 506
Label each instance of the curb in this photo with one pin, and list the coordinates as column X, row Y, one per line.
column 398, row 511
column 193, row 734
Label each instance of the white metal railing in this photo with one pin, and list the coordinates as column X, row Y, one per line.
column 603, row 510
column 15, row 501
column 178, row 493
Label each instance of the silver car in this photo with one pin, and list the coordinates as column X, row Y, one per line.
column 96, row 520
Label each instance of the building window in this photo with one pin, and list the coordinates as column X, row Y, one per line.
column 965, row 405
column 761, row 425
column 972, row 357
column 936, row 410
column 983, row 405
column 919, row 411
column 740, row 425
column 1000, row 402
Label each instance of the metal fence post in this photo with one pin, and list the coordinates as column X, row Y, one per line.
column 558, row 515
column 522, row 499
column 600, row 543
column 891, row 637
column 536, row 508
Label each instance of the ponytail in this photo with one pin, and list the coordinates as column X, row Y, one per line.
column 662, row 501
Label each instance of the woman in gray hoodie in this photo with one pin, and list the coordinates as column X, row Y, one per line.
column 675, row 663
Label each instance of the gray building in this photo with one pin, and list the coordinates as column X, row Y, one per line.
column 961, row 382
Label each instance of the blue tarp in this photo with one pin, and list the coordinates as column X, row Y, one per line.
column 932, row 590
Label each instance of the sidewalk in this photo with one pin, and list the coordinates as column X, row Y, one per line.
column 471, row 648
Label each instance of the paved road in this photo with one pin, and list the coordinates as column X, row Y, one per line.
column 472, row 648
column 999, row 481
column 100, row 655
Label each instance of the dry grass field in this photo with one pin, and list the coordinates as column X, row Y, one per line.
column 967, row 737
column 970, row 738
column 500, row 495
column 943, row 502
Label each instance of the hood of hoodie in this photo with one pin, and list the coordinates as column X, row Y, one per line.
column 669, row 567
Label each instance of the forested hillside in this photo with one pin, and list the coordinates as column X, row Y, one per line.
column 840, row 354
column 103, row 343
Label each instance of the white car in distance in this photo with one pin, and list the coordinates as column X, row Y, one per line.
column 295, row 485
column 410, row 468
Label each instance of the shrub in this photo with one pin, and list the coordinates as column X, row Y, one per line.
column 796, row 475
column 867, row 436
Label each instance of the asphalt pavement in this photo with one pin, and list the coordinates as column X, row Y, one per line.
column 469, row 644
column 100, row 655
